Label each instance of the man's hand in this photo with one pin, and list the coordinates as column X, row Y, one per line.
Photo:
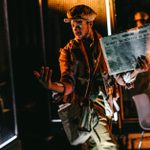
column 57, row 88
column 119, row 79
column 44, row 77
column 127, row 79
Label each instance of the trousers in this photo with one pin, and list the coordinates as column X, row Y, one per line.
column 101, row 137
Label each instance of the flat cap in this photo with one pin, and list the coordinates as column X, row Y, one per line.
column 80, row 12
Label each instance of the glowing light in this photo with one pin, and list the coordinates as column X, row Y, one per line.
column 101, row 7
column 108, row 17
column 40, row 2
column 64, row 5
column 55, row 120
column 8, row 141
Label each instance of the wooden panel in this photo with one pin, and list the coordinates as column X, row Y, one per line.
column 133, row 141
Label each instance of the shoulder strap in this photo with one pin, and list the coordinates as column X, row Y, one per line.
column 89, row 86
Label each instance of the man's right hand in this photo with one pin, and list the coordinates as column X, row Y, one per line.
column 44, row 77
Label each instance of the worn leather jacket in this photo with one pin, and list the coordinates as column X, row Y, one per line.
column 77, row 61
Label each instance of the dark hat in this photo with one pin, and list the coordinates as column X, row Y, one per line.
column 80, row 12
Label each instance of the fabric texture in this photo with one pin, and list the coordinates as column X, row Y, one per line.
column 78, row 122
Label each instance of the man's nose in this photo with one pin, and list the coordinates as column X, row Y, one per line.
column 78, row 27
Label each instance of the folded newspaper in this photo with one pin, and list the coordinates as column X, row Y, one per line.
column 121, row 50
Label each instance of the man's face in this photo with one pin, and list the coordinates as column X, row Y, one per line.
column 80, row 28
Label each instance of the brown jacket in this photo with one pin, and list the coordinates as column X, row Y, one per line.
column 77, row 66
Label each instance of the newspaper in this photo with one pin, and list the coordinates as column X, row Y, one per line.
column 121, row 50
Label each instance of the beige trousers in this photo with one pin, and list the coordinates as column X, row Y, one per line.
column 101, row 137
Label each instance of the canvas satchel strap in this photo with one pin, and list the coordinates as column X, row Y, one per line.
column 89, row 118
column 89, row 85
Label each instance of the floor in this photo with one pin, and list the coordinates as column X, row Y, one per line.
column 36, row 136
column 37, row 133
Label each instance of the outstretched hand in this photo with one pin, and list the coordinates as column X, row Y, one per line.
column 44, row 77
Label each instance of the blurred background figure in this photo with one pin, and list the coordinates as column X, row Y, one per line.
column 141, row 18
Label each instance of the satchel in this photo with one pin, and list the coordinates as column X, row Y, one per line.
column 77, row 128
column 88, row 118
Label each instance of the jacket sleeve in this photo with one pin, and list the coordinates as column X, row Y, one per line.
column 66, row 69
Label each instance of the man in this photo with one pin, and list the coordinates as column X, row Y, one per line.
column 141, row 18
column 142, row 80
column 77, row 62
